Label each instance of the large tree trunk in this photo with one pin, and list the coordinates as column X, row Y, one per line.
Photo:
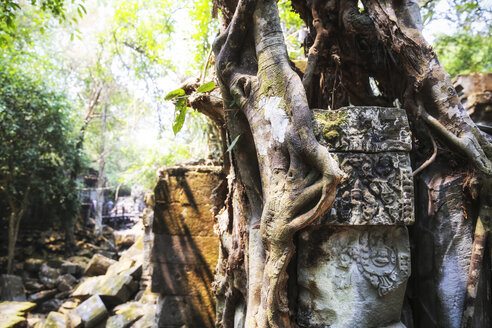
column 281, row 178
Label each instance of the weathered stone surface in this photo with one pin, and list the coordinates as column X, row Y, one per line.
column 55, row 263
column 352, row 277
column 182, row 279
column 363, row 129
column 177, row 311
column 92, row 311
column 132, row 267
column 65, row 282
column 12, row 314
column 147, row 321
column 98, row 265
column 125, row 315
column 55, row 320
column 377, row 190
column 11, row 288
column 50, row 305
column 48, row 276
column 354, row 262
column 112, row 289
column 371, row 145
column 33, row 286
column 42, row 296
column 184, row 201
column 75, row 269
column 174, row 219
column 185, row 249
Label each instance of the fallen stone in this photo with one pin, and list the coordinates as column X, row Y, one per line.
column 65, row 282
column 125, row 315
column 132, row 267
column 124, row 238
column 68, row 306
column 74, row 320
column 12, row 314
column 55, row 320
column 63, row 295
column 50, row 305
column 33, row 265
column 74, row 269
column 134, row 251
column 98, row 265
column 92, row 311
column 36, row 320
column 48, row 276
column 147, row 321
column 11, row 288
column 33, row 286
column 42, row 296
column 112, row 289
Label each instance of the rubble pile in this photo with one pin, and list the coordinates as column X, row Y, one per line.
column 99, row 287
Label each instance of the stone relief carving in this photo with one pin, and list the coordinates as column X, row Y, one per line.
column 363, row 129
column 347, row 274
column 377, row 190
column 354, row 262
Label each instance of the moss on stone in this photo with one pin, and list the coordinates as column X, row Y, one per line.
column 331, row 122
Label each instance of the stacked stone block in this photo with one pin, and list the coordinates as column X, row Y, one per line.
column 185, row 249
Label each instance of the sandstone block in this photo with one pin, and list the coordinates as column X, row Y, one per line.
column 92, row 311
column 202, row 250
column 74, row 269
column 112, row 289
column 371, row 145
column 11, row 288
column 178, row 219
column 12, row 314
column 352, row 276
column 42, row 296
column 98, row 265
column 55, row 320
column 177, row 311
column 48, row 276
column 182, row 279
column 125, row 315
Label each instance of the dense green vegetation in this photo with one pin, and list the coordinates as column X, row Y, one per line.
column 83, row 84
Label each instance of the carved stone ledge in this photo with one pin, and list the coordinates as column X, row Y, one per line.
column 365, row 129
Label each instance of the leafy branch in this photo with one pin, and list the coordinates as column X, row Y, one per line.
column 180, row 99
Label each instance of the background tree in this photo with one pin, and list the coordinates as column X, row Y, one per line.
column 38, row 151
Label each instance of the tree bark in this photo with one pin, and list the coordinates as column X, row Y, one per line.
column 298, row 176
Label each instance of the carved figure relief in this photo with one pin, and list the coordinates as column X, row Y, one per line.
column 377, row 190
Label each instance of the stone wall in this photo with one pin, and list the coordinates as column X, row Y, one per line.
column 185, row 249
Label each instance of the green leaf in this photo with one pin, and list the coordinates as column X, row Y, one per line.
column 233, row 143
column 180, row 115
column 232, row 103
column 209, row 86
column 174, row 94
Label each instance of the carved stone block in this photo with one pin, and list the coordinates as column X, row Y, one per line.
column 371, row 145
column 363, row 129
column 352, row 276
column 354, row 261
